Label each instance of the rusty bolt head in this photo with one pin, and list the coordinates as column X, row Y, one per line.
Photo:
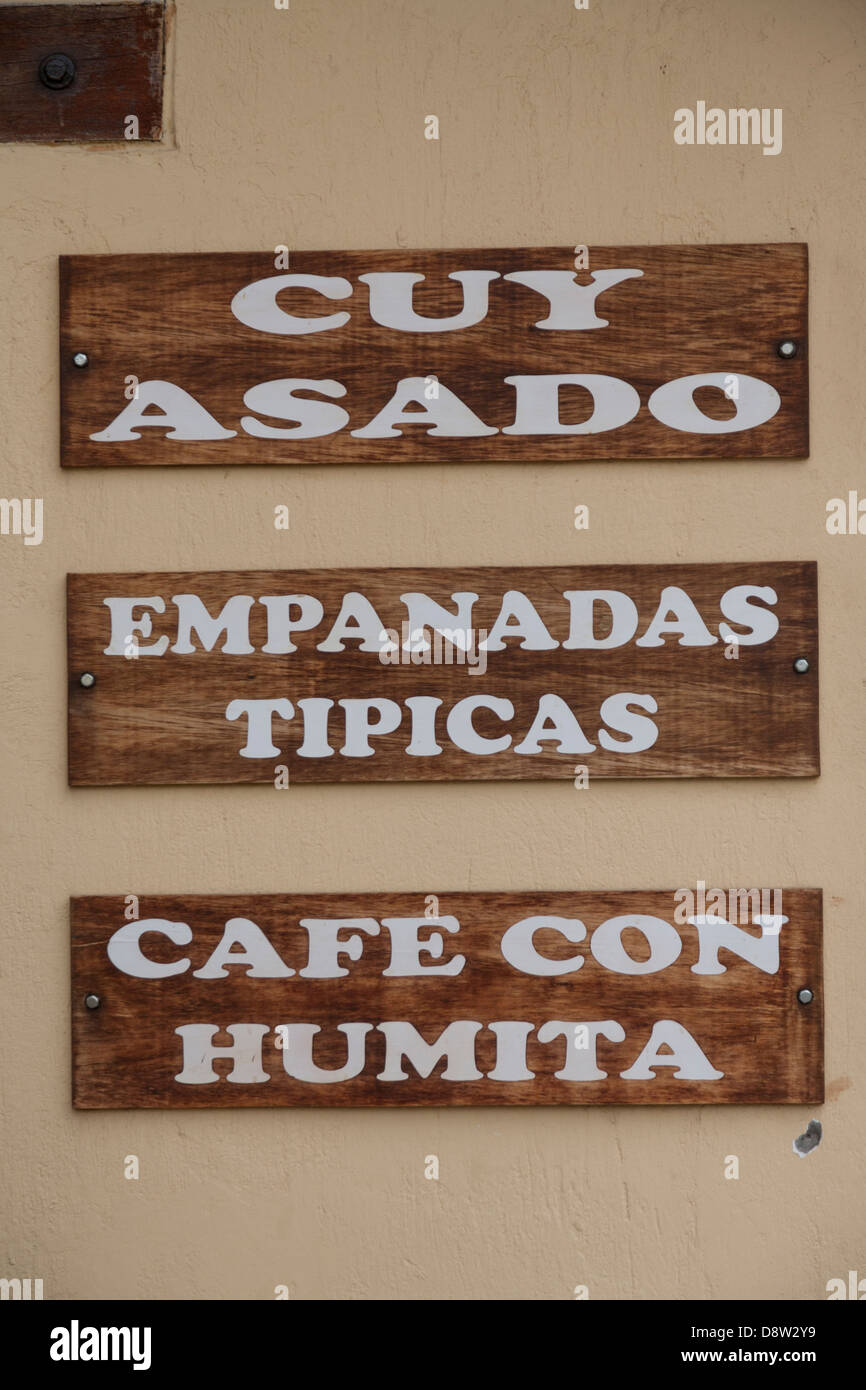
column 56, row 71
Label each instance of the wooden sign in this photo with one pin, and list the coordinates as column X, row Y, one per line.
column 83, row 73
column 425, row 356
column 578, row 998
column 432, row 674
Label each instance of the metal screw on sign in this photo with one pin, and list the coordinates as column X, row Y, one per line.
column 80, row 359
column 87, row 679
column 801, row 666
column 56, row 71
column 787, row 348
column 805, row 996
column 92, row 1001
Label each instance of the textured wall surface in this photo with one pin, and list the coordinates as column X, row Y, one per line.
column 306, row 127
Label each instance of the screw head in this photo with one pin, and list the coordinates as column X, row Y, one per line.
column 80, row 359
column 92, row 1001
column 787, row 348
column 56, row 71
column 801, row 666
column 805, row 996
column 87, row 679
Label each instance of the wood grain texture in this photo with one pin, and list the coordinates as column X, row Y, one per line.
column 748, row 1023
column 118, row 52
column 696, row 309
column 161, row 720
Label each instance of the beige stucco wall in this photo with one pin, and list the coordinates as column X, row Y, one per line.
column 307, row 128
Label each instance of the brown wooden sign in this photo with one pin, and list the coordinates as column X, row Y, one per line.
column 84, row 73
column 579, row 998
column 443, row 674
column 422, row 356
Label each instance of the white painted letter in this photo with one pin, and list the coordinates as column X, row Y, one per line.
column 257, row 307
column 234, row 621
column 623, row 612
column 124, row 625
column 456, row 1043
column 685, row 1055
column 461, row 730
column 763, row 625
column 260, row 715
column 182, row 416
column 323, row 962
column 518, row 947
column 449, row 417
column 406, row 949
column 664, row 942
column 124, row 948
column 572, row 305
column 581, row 1062
column 199, row 1053
column 391, row 294
column 674, row 404
column 276, row 398
column 257, row 953
column 298, row 1052
column 615, row 402
column 714, row 934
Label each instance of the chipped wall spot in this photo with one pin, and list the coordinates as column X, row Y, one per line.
column 805, row 1143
